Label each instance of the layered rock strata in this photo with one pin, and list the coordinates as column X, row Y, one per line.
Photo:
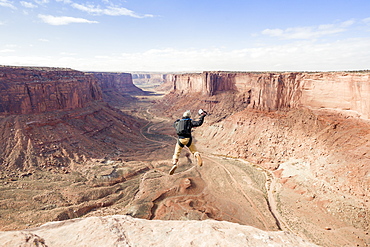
column 25, row 90
column 149, row 77
column 118, row 82
column 346, row 92
column 52, row 117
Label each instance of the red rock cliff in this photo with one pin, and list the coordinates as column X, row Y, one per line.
column 119, row 82
column 348, row 93
column 26, row 90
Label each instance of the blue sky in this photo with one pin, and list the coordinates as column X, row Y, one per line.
column 186, row 35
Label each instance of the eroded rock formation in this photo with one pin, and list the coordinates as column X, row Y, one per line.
column 52, row 117
column 346, row 92
column 148, row 81
column 118, row 82
column 117, row 88
column 152, row 78
column 25, row 90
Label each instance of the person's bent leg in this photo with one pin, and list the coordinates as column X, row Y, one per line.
column 196, row 154
column 177, row 152
column 175, row 158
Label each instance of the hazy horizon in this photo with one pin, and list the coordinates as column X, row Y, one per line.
column 191, row 36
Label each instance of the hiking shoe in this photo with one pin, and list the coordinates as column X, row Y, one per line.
column 199, row 160
column 173, row 169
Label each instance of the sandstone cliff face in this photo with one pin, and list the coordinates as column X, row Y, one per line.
column 51, row 117
column 119, row 82
column 348, row 93
column 189, row 83
column 26, row 90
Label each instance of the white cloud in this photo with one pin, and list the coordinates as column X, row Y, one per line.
column 309, row 32
column 63, row 20
column 7, row 50
column 8, row 4
column 11, row 46
column 348, row 23
column 42, row 2
column 297, row 56
column 366, row 20
column 68, row 54
column 44, row 40
column 28, row 5
column 273, row 32
column 113, row 11
column 349, row 54
column 65, row 1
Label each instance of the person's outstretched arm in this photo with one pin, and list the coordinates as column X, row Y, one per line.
column 198, row 122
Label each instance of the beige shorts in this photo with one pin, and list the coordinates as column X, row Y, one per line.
column 178, row 148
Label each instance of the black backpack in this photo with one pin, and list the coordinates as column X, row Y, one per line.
column 183, row 127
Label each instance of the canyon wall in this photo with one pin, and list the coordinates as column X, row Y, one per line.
column 150, row 81
column 149, row 77
column 119, row 82
column 52, row 117
column 26, row 90
column 346, row 92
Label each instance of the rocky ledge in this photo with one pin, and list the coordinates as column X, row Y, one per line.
column 121, row 230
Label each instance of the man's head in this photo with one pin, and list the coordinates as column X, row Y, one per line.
column 187, row 114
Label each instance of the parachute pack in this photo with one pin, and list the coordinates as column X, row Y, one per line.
column 183, row 127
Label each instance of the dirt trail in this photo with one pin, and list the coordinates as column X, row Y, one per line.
column 238, row 187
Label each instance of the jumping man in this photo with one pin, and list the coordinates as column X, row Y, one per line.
column 183, row 129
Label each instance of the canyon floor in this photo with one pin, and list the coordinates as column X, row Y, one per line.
column 225, row 188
